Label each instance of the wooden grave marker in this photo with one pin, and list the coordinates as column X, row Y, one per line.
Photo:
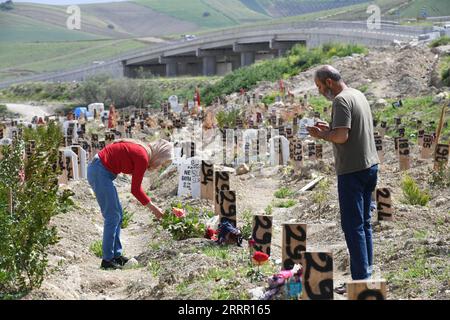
column 317, row 275
column 221, row 183
column 384, row 204
column 426, row 151
column 366, row 290
column 441, row 156
column 262, row 233
column 379, row 146
column 207, row 180
column 293, row 244
column 404, row 154
column 227, row 205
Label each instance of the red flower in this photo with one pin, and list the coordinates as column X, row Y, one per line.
column 260, row 258
column 178, row 212
column 251, row 243
column 210, row 234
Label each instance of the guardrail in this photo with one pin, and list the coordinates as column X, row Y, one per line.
column 386, row 28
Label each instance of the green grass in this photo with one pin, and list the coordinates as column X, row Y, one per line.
column 126, row 218
column 412, row 193
column 221, row 14
column 154, row 267
column 15, row 28
column 285, row 204
column 217, row 252
column 433, row 8
column 413, row 107
column 96, row 248
column 442, row 41
column 284, row 192
column 29, row 58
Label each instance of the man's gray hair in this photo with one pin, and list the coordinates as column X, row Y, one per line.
column 327, row 72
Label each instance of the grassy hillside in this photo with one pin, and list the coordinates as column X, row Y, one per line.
column 21, row 59
column 433, row 8
column 14, row 28
column 207, row 14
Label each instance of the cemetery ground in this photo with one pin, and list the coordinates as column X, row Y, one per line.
column 411, row 252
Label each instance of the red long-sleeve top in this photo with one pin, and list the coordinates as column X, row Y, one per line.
column 128, row 158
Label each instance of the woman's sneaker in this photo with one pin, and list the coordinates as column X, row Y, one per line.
column 121, row 261
column 342, row 289
column 110, row 265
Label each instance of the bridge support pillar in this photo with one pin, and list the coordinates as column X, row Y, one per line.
column 209, row 66
column 247, row 58
column 171, row 69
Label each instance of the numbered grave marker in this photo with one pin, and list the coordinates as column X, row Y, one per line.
column 294, row 243
column 404, row 157
column 366, row 290
column 262, row 233
column 221, row 183
column 441, row 156
column 227, row 206
column 384, row 204
column 426, row 146
column 317, row 275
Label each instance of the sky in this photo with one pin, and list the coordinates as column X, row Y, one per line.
column 66, row 2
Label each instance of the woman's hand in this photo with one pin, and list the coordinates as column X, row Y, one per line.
column 155, row 210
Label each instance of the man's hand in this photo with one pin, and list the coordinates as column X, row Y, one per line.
column 315, row 132
column 155, row 210
column 322, row 125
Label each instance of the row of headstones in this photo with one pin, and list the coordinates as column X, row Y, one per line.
column 238, row 148
column 318, row 266
column 402, row 149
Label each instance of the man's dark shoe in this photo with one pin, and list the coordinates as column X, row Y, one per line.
column 121, row 261
column 341, row 289
column 110, row 265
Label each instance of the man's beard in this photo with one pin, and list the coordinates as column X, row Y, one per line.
column 329, row 94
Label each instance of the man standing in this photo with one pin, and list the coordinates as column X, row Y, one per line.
column 356, row 161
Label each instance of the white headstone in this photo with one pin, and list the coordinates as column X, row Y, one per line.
column 173, row 100
column 285, row 150
column 74, row 159
column 189, row 178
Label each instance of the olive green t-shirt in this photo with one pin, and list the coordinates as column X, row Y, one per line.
column 352, row 110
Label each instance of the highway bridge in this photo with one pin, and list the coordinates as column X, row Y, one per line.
column 221, row 52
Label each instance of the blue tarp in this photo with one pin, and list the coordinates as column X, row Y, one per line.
column 79, row 110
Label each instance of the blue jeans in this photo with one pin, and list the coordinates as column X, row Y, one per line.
column 101, row 181
column 355, row 192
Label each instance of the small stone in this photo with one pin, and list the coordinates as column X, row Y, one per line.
column 242, row 169
column 256, row 293
column 132, row 263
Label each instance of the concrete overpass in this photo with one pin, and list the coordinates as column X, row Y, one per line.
column 225, row 51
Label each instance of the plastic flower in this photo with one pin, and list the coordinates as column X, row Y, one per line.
column 179, row 213
column 210, row 234
column 260, row 258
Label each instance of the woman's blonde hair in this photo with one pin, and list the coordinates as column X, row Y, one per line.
column 158, row 152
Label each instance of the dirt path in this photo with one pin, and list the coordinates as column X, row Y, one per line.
column 27, row 111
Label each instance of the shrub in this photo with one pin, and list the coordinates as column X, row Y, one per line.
column 227, row 118
column 126, row 218
column 283, row 193
column 96, row 248
column 192, row 225
column 299, row 59
column 413, row 195
column 25, row 233
column 247, row 227
column 442, row 41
